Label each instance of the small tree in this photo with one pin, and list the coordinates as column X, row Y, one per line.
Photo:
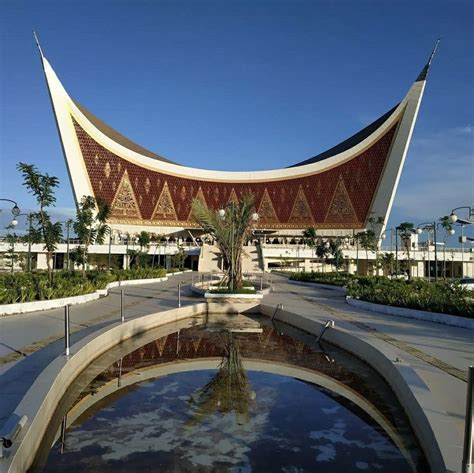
column 322, row 250
column 230, row 231
column 143, row 240
column 405, row 230
column 309, row 236
column 368, row 241
column 179, row 258
column 336, row 252
column 387, row 261
column 448, row 231
column 42, row 229
column 90, row 227
column 375, row 222
column 11, row 238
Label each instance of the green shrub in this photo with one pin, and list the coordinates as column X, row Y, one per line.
column 333, row 279
column 443, row 297
column 28, row 287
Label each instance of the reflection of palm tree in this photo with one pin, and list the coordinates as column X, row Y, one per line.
column 228, row 391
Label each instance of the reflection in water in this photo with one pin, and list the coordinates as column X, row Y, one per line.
column 228, row 390
column 214, row 400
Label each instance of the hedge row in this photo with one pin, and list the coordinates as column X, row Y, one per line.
column 333, row 279
column 28, row 287
column 444, row 297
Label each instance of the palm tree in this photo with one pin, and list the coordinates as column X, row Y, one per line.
column 368, row 241
column 230, row 227
column 309, row 237
column 445, row 223
column 387, row 261
column 405, row 230
column 228, row 391
column 375, row 222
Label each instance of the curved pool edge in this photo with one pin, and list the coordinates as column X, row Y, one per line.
column 42, row 398
column 410, row 390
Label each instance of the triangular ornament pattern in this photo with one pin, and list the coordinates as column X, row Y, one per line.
column 301, row 212
column 233, row 197
column 199, row 196
column 125, row 203
column 164, row 209
column 160, row 344
column 266, row 211
column 341, row 209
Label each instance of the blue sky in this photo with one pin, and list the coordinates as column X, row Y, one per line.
column 243, row 85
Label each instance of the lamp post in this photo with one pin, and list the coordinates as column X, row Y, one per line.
column 68, row 226
column 428, row 226
column 431, row 226
column 124, row 236
column 110, row 250
column 453, row 217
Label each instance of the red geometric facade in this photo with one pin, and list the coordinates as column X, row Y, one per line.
column 339, row 197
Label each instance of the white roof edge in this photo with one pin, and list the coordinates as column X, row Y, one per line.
column 63, row 105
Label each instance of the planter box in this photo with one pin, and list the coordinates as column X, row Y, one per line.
column 24, row 307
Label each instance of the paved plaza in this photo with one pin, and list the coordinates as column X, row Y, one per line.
column 439, row 354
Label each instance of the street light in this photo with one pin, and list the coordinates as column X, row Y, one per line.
column 15, row 209
column 461, row 222
column 428, row 226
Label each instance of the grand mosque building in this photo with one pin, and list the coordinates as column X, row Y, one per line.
column 335, row 191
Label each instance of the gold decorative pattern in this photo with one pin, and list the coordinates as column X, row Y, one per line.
column 191, row 224
column 164, row 208
column 233, row 197
column 147, row 185
column 182, row 193
column 266, row 211
column 100, row 185
column 199, row 196
column 125, row 203
column 96, row 159
column 341, row 208
column 301, row 212
column 107, row 169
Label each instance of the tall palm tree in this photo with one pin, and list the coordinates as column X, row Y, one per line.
column 230, row 229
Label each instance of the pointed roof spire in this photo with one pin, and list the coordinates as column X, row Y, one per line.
column 424, row 71
column 38, row 44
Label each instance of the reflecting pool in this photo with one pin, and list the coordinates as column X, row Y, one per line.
column 229, row 395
